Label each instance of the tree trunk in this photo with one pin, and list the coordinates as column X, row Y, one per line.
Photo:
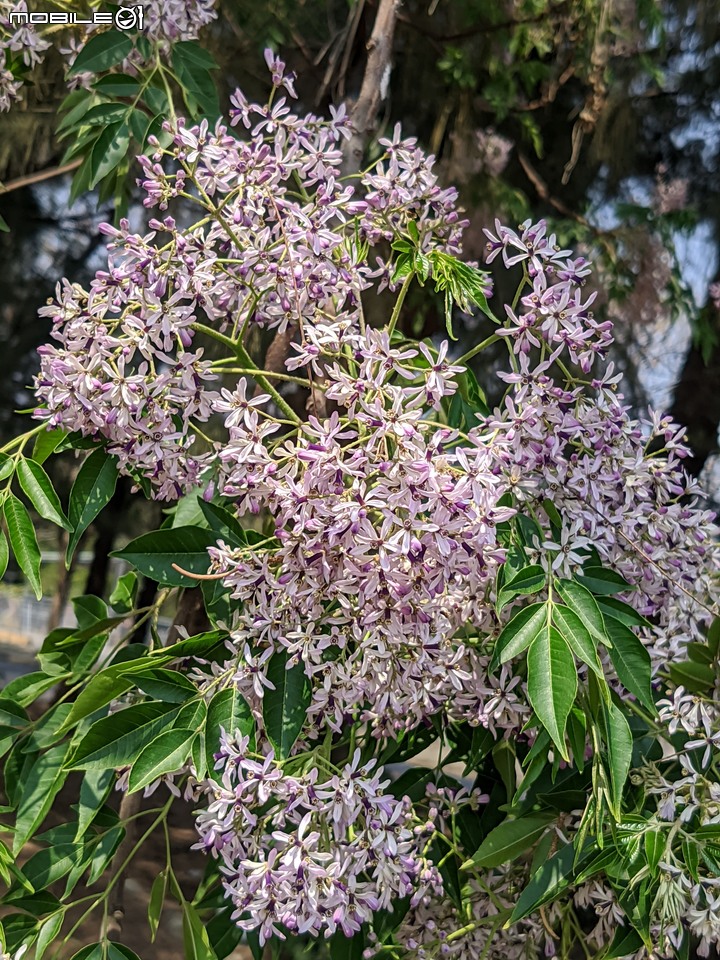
column 696, row 401
column 107, row 526
column 190, row 615
column 62, row 589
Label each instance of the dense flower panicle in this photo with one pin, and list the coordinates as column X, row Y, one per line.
column 378, row 572
column 397, row 539
column 127, row 379
column 310, row 855
column 555, row 314
column 126, row 368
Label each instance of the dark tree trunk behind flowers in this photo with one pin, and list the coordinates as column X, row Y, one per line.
column 107, row 527
column 696, row 401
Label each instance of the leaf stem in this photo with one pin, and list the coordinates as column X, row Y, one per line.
column 120, row 870
column 23, row 438
column 245, row 358
column 493, row 338
column 399, row 302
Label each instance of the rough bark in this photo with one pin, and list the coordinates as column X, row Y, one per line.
column 107, row 526
column 374, row 86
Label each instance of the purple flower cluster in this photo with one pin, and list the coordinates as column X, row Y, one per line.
column 123, row 372
column 618, row 482
column 310, row 855
column 126, row 367
column 387, row 541
column 555, row 315
column 173, row 20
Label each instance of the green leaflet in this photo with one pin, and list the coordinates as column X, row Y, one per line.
column 553, row 877
column 509, row 839
column 102, row 51
column 577, row 636
column 552, row 683
column 155, row 554
column 631, row 661
column 285, row 707
column 37, row 486
column 584, row 605
column 44, row 780
column 528, row 580
column 519, row 633
column 165, row 754
column 23, row 541
column 619, row 751
column 92, row 490
column 116, row 741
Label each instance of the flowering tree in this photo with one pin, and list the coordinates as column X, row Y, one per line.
column 390, row 566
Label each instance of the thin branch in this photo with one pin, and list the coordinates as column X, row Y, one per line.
column 129, row 808
column 38, row 177
column 478, row 29
column 543, row 191
column 349, row 43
